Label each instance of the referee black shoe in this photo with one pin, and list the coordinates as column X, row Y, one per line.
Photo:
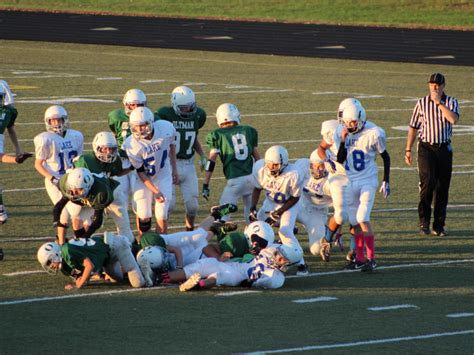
column 440, row 233
column 425, row 230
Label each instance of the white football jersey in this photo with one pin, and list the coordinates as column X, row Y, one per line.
column 362, row 148
column 315, row 191
column 327, row 132
column 153, row 154
column 57, row 151
column 279, row 188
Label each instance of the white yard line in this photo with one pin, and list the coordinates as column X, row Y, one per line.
column 365, row 342
column 317, row 299
column 236, row 293
column 459, row 315
column 56, row 298
column 232, row 293
column 390, row 308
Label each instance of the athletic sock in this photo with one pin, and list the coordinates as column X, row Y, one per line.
column 359, row 240
column 370, row 246
column 329, row 234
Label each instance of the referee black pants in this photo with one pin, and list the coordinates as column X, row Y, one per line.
column 435, row 165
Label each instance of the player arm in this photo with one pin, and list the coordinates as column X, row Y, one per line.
column 147, row 182
column 255, row 154
column 323, row 146
column 97, row 220
column 14, row 139
column 198, row 147
column 178, row 254
column 410, row 140
column 287, row 205
column 86, row 274
column 255, row 198
column 386, row 166
column 211, row 163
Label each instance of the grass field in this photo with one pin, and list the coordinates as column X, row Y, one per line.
column 406, row 13
column 286, row 99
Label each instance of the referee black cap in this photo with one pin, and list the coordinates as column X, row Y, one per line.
column 437, row 78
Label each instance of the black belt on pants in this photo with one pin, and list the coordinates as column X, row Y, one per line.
column 434, row 145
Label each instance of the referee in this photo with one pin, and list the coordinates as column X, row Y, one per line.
column 432, row 123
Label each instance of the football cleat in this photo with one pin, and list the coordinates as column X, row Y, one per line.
column 302, row 270
column 220, row 229
column 3, row 215
column 370, row 265
column 190, row 283
column 325, row 250
column 355, row 265
column 424, row 230
column 223, row 210
column 440, row 233
column 351, row 255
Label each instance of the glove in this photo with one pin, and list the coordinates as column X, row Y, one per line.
column 273, row 218
column 54, row 180
column 330, row 165
column 22, row 157
column 253, row 215
column 205, row 191
column 385, row 189
column 202, row 163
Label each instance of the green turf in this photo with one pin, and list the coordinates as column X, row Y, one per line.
column 165, row 321
column 427, row 13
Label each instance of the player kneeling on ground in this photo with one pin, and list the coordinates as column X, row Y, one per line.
column 262, row 271
column 82, row 258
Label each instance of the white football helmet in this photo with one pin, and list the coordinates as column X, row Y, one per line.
column 227, row 113
column 351, row 113
column 48, row 253
column 56, row 112
column 154, row 255
column 141, row 122
column 103, row 140
column 133, row 98
column 276, row 160
column 183, row 101
column 78, row 183
column 259, row 234
column 3, row 95
column 317, row 166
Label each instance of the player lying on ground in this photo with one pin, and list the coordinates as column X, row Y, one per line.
column 264, row 270
column 82, row 258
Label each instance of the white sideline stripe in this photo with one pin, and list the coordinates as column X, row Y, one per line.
column 389, row 308
column 364, row 342
column 44, row 299
column 30, row 300
column 236, row 293
column 317, row 299
column 400, row 266
column 459, row 315
column 10, row 274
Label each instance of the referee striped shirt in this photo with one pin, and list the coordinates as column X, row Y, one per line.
column 428, row 119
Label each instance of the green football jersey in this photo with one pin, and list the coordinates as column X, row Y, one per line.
column 235, row 146
column 186, row 129
column 8, row 116
column 88, row 160
column 119, row 125
column 75, row 251
column 152, row 239
column 236, row 243
column 100, row 195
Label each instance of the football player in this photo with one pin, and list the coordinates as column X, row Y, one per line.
column 234, row 244
column 264, row 270
column 55, row 150
column 87, row 196
column 187, row 118
column 152, row 151
column 322, row 189
column 282, row 183
column 104, row 161
column 236, row 145
column 82, row 258
column 358, row 142
column 8, row 115
column 166, row 252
